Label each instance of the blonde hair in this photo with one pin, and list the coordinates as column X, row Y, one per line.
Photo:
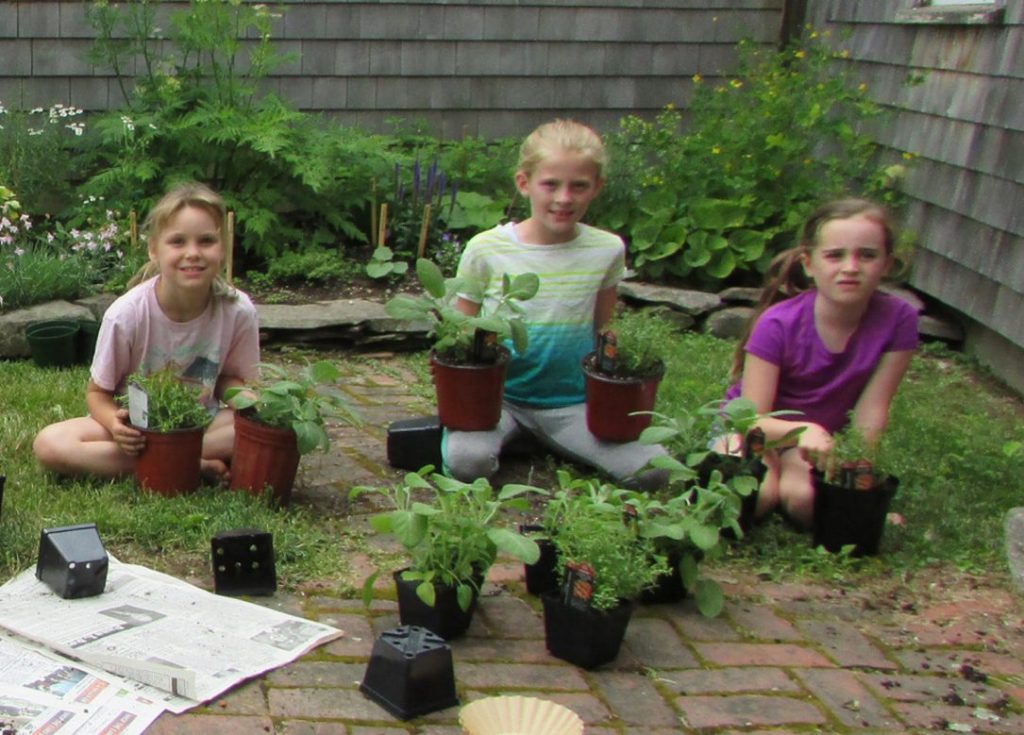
column 561, row 135
column 190, row 194
column 785, row 276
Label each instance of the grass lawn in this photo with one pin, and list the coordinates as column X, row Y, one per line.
column 951, row 436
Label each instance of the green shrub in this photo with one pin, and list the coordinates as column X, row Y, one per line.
column 759, row 152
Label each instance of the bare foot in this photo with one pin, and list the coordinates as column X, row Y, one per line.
column 215, row 472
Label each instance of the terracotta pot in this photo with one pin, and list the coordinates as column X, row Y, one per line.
column 611, row 400
column 469, row 396
column 264, row 456
column 169, row 463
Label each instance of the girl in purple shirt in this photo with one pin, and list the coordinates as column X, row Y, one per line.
column 826, row 343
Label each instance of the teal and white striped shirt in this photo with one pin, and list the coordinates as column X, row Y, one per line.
column 560, row 318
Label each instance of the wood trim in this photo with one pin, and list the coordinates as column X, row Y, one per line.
column 962, row 15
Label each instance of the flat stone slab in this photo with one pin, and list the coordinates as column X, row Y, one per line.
column 693, row 303
column 340, row 312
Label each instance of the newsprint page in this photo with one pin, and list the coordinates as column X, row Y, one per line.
column 111, row 664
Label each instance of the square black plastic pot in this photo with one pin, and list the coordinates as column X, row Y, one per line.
column 584, row 637
column 414, row 443
column 72, row 561
column 541, row 576
column 410, row 673
column 243, row 562
column 847, row 517
column 445, row 618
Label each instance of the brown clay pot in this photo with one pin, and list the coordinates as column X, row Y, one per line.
column 469, row 396
column 169, row 463
column 611, row 400
column 264, row 456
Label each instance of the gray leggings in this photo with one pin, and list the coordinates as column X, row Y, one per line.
column 471, row 454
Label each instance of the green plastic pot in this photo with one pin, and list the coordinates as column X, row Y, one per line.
column 88, row 329
column 54, row 342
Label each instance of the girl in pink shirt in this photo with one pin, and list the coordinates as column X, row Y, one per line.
column 179, row 314
column 833, row 346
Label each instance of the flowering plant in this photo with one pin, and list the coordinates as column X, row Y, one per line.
column 36, row 154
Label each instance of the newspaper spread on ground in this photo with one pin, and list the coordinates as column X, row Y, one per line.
column 42, row 692
column 159, row 631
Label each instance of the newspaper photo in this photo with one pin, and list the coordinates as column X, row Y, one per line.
column 159, row 631
column 42, row 692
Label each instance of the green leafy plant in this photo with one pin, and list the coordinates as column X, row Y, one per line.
column 640, row 340
column 705, row 203
column 587, row 523
column 298, row 401
column 171, row 403
column 451, row 530
column 383, row 264
column 452, row 330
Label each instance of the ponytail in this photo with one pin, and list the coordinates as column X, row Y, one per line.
column 785, row 277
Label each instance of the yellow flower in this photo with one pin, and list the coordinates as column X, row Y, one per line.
column 844, row 54
column 814, row 35
column 800, row 54
column 862, row 87
column 908, row 156
column 716, row 149
column 735, row 84
column 697, row 78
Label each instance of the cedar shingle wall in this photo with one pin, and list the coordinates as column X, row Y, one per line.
column 493, row 67
column 965, row 120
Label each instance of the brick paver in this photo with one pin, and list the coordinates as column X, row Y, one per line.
column 784, row 657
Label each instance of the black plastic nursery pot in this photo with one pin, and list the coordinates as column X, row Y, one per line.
column 445, row 618
column 584, row 636
column 410, row 673
column 54, row 342
column 88, row 330
column 847, row 517
column 541, row 576
column 668, row 587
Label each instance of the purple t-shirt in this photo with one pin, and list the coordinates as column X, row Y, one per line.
column 823, row 385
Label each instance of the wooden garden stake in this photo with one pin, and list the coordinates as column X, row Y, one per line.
column 424, row 226
column 383, row 225
column 133, row 229
column 373, row 213
column 229, row 247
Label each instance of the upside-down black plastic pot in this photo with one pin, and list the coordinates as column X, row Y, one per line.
column 584, row 636
column 848, row 517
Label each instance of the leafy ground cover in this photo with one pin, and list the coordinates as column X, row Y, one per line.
column 954, row 438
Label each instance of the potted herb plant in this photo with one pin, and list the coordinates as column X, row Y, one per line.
column 452, row 532
column 621, row 377
column 852, row 496
column 468, row 360
column 169, row 413
column 604, row 563
column 279, row 420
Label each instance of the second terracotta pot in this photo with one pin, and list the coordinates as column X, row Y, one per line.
column 264, row 457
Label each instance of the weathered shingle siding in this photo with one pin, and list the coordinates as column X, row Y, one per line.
column 493, row 67
column 964, row 119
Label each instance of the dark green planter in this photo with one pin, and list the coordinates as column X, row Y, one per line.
column 53, row 343
column 88, row 329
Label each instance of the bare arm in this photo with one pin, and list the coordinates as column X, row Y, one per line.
column 871, row 414
column 604, row 306
column 760, row 385
column 104, row 409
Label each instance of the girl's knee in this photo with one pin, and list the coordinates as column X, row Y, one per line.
column 49, row 447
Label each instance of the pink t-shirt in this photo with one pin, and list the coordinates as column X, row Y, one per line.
column 136, row 335
column 823, row 385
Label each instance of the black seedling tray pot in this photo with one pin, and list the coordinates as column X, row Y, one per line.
column 414, row 443
column 844, row 516
column 584, row 637
column 72, row 561
column 445, row 618
column 243, row 562
column 541, row 576
column 410, row 673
